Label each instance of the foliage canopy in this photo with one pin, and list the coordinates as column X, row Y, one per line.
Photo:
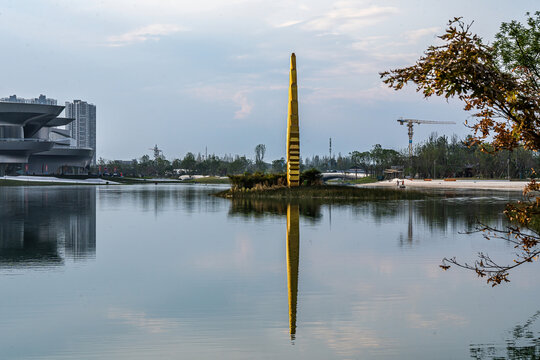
column 506, row 103
column 499, row 84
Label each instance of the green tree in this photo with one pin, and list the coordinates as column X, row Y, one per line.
column 189, row 162
column 505, row 104
column 278, row 166
column 517, row 47
column 239, row 165
column 260, row 150
column 363, row 160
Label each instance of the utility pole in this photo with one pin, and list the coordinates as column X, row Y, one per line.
column 330, row 152
column 330, row 148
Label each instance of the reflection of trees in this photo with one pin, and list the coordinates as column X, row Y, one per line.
column 444, row 213
column 162, row 197
column 43, row 225
column 460, row 213
column 524, row 344
column 258, row 208
column 451, row 212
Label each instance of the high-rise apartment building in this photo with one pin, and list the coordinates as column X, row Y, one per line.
column 83, row 129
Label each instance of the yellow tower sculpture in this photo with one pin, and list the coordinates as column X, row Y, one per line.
column 293, row 259
column 293, row 131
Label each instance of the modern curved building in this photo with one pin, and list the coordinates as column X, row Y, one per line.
column 33, row 142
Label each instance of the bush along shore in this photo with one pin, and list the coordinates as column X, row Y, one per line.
column 273, row 186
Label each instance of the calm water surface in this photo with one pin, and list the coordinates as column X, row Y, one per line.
column 147, row 272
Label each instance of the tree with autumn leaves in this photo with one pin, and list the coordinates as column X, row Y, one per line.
column 500, row 85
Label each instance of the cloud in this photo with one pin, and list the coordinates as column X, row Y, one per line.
column 345, row 18
column 141, row 321
column 149, row 32
column 436, row 321
column 349, row 340
column 348, row 68
column 222, row 92
column 368, row 43
column 288, row 23
column 396, row 57
column 245, row 105
column 372, row 94
column 414, row 35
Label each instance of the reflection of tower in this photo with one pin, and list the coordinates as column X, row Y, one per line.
column 410, row 233
column 410, row 226
column 293, row 257
column 293, row 131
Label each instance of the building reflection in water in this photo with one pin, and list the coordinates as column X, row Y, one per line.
column 293, row 257
column 44, row 226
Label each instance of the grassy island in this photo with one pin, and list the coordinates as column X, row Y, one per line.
column 322, row 192
column 273, row 186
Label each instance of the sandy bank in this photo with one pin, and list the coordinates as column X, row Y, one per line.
column 504, row 185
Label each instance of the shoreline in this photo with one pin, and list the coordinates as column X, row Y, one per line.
column 496, row 185
column 51, row 180
column 29, row 180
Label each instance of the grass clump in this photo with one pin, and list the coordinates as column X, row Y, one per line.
column 323, row 192
column 257, row 180
column 207, row 180
column 262, row 181
column 274, row 186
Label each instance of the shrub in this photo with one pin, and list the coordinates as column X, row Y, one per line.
column 257, row 180
column 311, row 177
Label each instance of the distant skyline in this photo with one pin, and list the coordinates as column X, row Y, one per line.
column 189, row 75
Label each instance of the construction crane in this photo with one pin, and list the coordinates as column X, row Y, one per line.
column 157, row 152
column 410, row 123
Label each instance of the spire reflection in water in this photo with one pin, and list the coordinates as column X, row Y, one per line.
column 309, row 210
column 44, row 226
column 293, row 257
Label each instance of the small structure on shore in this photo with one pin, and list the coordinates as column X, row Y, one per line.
column 393, row 173
column 293, row 130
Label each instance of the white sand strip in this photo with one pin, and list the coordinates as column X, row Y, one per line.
column 504, row 185
column 50, row 179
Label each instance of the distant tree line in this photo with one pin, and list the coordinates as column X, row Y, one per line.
column 438, row 156
column 442, row 157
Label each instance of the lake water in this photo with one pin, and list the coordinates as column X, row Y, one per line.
column 169, row 272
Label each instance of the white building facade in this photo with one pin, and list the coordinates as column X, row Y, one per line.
column 83, row 128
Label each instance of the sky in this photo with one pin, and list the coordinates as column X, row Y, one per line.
column 213, row 74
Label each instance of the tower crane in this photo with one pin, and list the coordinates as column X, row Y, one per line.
column 410, row 123
column 157, row 152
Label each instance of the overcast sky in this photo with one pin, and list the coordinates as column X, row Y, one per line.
column 189, row 74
